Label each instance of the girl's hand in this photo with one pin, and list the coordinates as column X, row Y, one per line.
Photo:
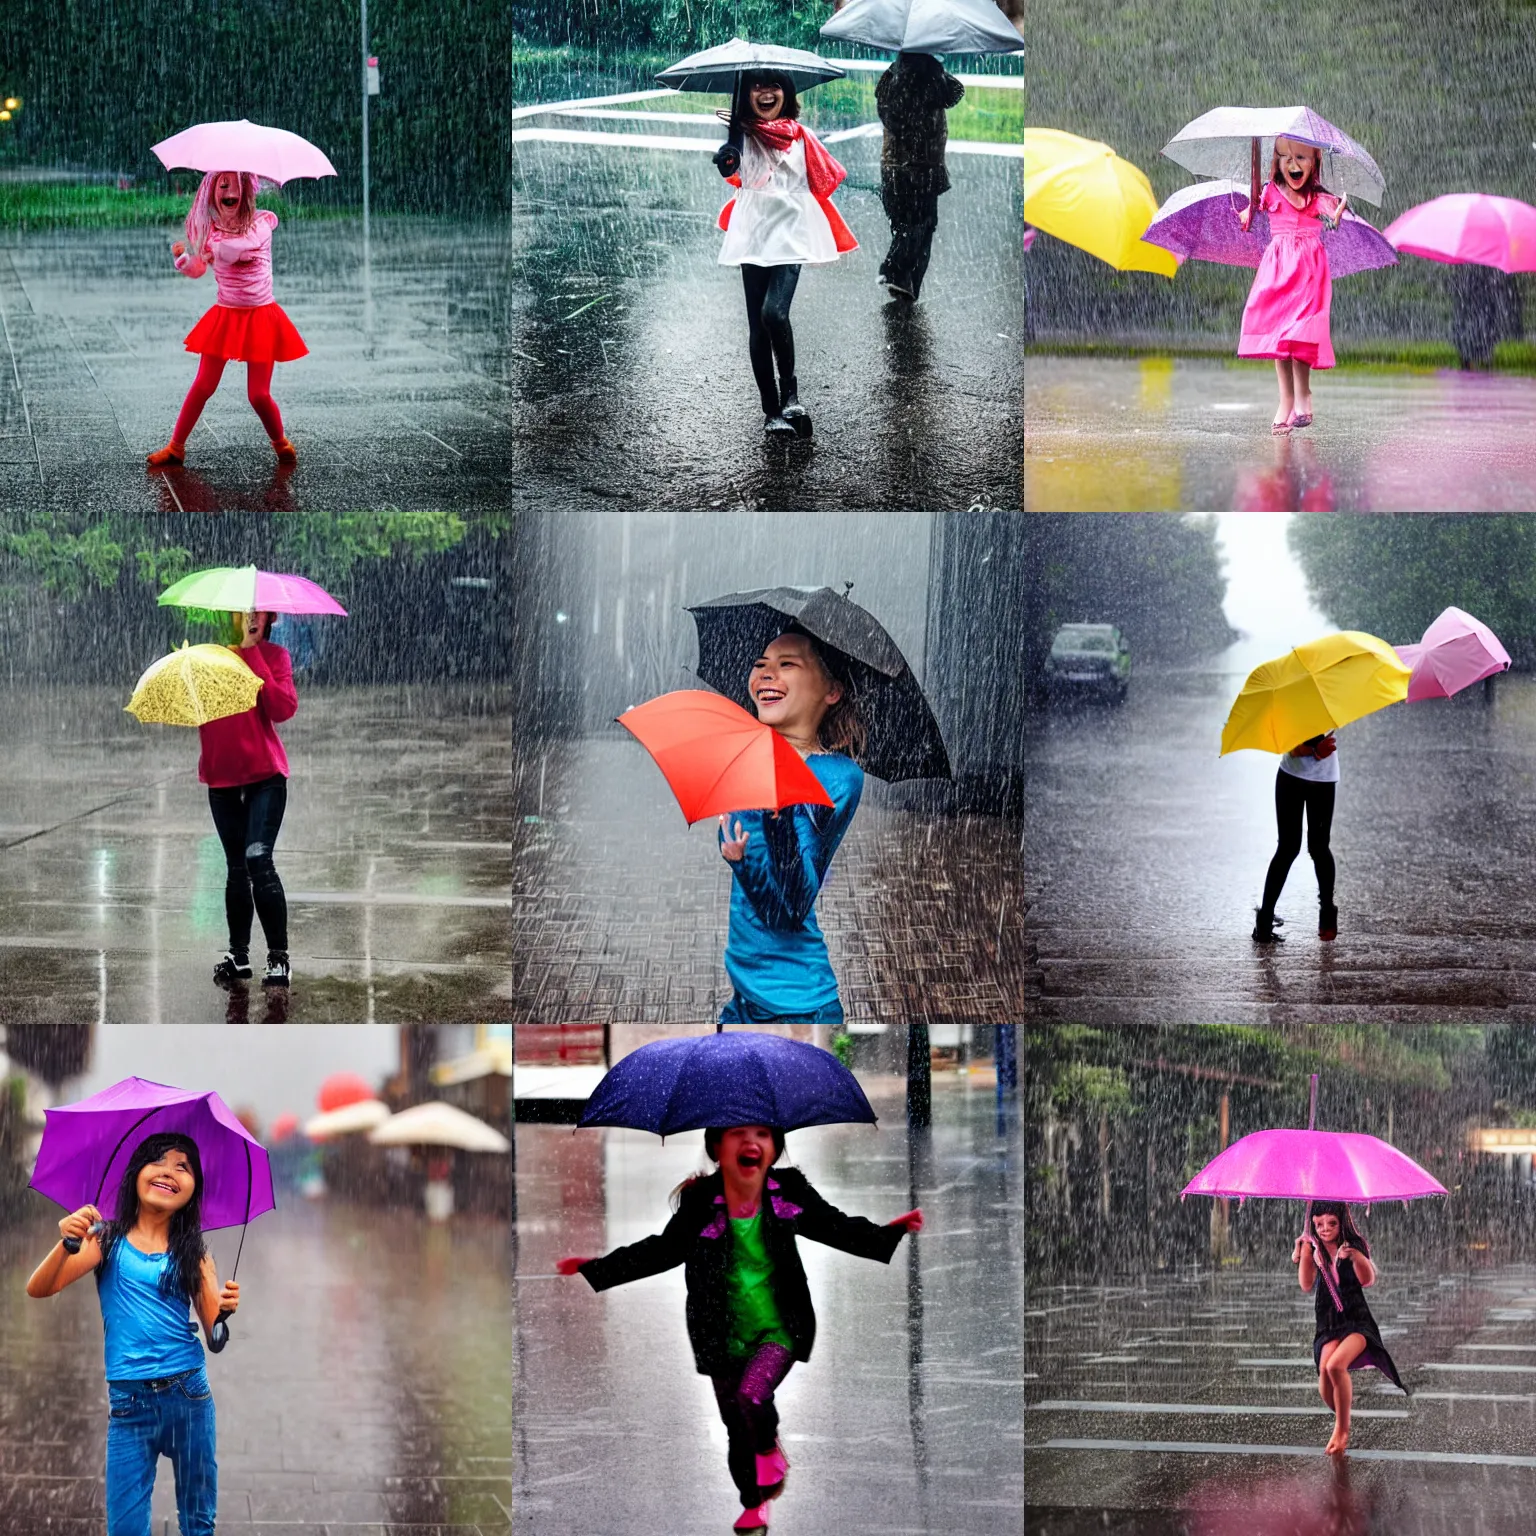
column 229, row 1297
column 1342, row 1252
column 733, row 848
column 569, row 1266
column 1296, row 1250
column 911, row 1220
column 178, row 248
column 252, row 634
column 80, row 1222
column 1245, row 218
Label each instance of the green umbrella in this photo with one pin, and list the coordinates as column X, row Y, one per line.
column 244, row 589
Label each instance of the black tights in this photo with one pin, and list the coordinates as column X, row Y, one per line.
column 1292, row 796
column 770, row 291
column 247, row 817
column 745, row 1398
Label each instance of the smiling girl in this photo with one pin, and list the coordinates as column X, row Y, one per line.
column 225, row 229
column 151, row 1269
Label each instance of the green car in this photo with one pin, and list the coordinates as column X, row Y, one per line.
column 1088, row 659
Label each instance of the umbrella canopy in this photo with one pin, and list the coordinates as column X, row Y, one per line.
column 1456, row 651
column 925, row 26
column 716, row 757
column 741, row 1078
column 86, row 1148
column 904, row 741
column 1313, row 689
column 437, row 1124
column 1220, row 143
column 718, row 69
column 192, row 686
column 1200, row 223
column 342, row 1088
column 1084, row 193
column 359, row 1115
column 271, row 153
column 1313, row 1165
column 244, row 589
column 1469, row 227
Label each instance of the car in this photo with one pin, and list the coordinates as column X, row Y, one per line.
column 1089, row 659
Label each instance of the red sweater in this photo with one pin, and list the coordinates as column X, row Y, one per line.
column 243, row 749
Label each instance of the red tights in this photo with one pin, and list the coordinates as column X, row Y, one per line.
column 258, row 390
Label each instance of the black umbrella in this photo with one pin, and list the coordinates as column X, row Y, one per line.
column 904, row 740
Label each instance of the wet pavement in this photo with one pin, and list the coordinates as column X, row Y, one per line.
column 1163, row 434
column 364, row 1390
column 393, row 852
column 907, row 1418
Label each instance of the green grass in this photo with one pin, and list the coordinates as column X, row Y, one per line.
column 28, row 205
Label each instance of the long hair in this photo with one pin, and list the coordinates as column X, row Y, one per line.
column 842, row 728
column 183, row 1275
column 790, row 111
column 712, row 1152
column 1314, row 182
column 1348, row 1231
column 200, row 214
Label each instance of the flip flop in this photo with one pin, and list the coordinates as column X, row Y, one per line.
column 1301, row 421
column 1280, row 428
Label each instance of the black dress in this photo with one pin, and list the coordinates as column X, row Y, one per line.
column 1335, row 1322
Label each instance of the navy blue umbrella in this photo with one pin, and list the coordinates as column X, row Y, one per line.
column 741, row 1078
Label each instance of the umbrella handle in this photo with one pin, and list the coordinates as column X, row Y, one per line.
column 74, row 1244
column 218, row 1335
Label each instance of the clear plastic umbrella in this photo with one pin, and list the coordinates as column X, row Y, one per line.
column 925, row 26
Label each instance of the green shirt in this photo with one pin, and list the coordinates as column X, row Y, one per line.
column 755, row 1317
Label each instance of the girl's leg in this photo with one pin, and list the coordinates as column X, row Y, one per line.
column 1324, row 1381
column 1288, row 805
column 751, row 1419
column 780, row 295
column 1320, row 798
column 264, row 809
column 229, row 820
column 754, row 281
column 1287, row 391
column 132, row 1433
column 193, row 1437
column 258, row 390
column 1301, row 375
column 1347, row 1351
column 209, row 371
column 740, row 1458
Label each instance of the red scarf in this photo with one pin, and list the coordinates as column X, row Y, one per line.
column 822, row 174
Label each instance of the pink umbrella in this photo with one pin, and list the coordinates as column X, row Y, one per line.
column 271, row 153
column 1029, row 236
column 1469, row 226
column 1456, row 651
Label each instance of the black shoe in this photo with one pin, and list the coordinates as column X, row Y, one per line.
column 776, row 426
column 277, row 973
column 797, row 416
column 1264, row 928
column 898, row 290
column 1327, row 921
column 234, row 970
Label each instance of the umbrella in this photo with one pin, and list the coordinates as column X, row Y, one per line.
column 1469, row 226
column 357, row 1115
column 741, row 1078
column 343, row 1088
column 1314, row 689
column 274, row 154
column 284, row 1126
column 437, row 1124
column 192, row 686
column 925, row 26
column 1456, row 651
column 1201, row 223
column 719, row 69
column 716, row 757
column 244, row 589
column 1221, row 143
column 86, row 1148
column 1084, row 193
column 903, row 737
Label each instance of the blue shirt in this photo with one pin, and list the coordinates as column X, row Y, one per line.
column 148, row 1335
column 775, row 954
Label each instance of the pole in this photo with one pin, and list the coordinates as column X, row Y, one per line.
column 1312, row 1108
column 363, row 78
column 919, row 1076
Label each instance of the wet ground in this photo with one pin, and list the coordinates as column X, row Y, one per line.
column 1187, row 1406
column 1160, row 434
column 364, row 1390
column 393, row 854
column 908, row 1416
column 1146, row 854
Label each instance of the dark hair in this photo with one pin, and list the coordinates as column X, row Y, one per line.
column 183, row 1275
column 237, row 625
column 712, row 1152
column 791, row 107
column 1348, row 1231
column 1314, row 182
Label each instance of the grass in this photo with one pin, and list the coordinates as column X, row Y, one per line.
column 30, row 205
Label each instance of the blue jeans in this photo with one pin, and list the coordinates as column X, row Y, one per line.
column 740, row 1011
column 150, row 1419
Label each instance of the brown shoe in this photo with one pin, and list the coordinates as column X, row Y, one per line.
column 285, row 451
column 169, row 457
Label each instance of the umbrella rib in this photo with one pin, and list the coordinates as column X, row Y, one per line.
column 102, row 1184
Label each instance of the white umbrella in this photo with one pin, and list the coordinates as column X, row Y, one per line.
column 437, row 1124
column 718, row 69
column 925, row 26
column 350, row 1118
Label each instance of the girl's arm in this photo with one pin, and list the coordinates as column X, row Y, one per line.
column 278, row 699
column 1365, row 1271
column 188, row 263
column 822, row 1222
column 650, row 1256
column 1306, row 1269
column 61, row 1267
column 211, row 1299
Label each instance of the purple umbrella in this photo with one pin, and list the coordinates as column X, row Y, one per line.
column 1456, row 651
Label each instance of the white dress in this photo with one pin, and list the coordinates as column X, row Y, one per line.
column 776, row 220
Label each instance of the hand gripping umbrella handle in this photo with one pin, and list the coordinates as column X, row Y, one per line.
column 73, row 1244
column 218, row 1335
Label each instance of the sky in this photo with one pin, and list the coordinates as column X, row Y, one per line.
column 1266, row 593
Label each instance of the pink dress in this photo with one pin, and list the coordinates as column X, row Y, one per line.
column 246, row 324
column 1287, row 310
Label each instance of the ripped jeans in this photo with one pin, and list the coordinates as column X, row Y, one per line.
column 745, row 1399
column 247, row 818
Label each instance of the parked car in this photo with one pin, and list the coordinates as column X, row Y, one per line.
column 1088, row 659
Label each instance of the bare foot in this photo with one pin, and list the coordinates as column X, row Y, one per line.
column 1338, row 1443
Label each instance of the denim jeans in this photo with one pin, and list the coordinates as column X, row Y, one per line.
column 150, row 1419
column 248, row 818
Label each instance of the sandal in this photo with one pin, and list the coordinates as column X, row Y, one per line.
column 1298, row 420
column 1280, row 428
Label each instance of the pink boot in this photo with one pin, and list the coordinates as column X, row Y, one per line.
column 771, row 1467
column 752, row 1519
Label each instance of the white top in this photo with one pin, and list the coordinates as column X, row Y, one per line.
column 776, row 220
column 1324, row 772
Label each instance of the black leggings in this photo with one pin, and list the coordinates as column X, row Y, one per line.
column 914, row 220
column 770, row 291
column 1292, row 796
column 745, row 1398
column 247, row 817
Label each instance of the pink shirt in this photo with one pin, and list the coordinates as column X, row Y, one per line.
column 242, row 264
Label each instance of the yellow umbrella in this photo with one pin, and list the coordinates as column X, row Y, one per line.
column 1084, row 193
column 194, row 685
column 1314, row 689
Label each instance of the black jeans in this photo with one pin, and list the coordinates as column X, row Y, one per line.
column 914, row 218
column 770, row 291
column 247, row 817
column 745, row 1399
column 1292, row 797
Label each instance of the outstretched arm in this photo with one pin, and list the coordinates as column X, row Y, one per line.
column 62, row 1267
column 637, row 1261
column 822, row 1222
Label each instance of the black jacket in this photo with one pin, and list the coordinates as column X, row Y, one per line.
column 699, row 1237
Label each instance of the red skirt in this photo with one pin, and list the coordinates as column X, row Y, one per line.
column 261, row 335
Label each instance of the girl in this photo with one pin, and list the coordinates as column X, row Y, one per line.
column 1286, row 316
column 225, row 228
column 1307, row 780
column 246, row 771
column 1347, row 1338
column 150, row 1266
column 749, row 1308
column 774, row 953
column 780, row 220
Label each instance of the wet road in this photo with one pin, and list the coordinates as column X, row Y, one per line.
column 393, row 853
column 1146, row 852
column 364, row 1389
column 1193, row 435
column 908, row 1416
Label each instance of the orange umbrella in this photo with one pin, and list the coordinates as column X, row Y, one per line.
column 716, row 757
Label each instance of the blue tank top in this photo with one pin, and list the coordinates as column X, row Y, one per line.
column 148, row 1335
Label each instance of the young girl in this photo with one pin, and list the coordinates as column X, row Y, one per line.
column 774, row 953
column 780, row 220
column 246, row 771
column 1332, row 1259
column 749, row 1307
column 1306, row 781
column 225, row 228
column 151, row 1266
column 1286, row 316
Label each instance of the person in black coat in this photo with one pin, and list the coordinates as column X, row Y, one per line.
column 749, row 1310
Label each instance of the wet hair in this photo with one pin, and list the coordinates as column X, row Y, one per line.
column 712, row 1138
column 790, row 111
column 183, row 1275
column 1314, row 183
column 1348, row 1231
column 200, row 217
column 842, row 728
column 237, row 626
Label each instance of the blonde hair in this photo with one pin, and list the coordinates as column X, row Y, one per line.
column 200, row 215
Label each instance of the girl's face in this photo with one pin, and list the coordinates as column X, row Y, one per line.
column 251, row 623
column 747, row 1150
column 1297, row 162
column 1327, row 1228
column 788, row 686
column 226, row 196
column 166, row 1184
column 766, row 100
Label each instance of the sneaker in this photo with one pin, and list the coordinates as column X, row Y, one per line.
column 233, row 970
column 776, row 426
column 797, row 416
column 752, row 1519
column 1264, row 928
column 285, row 451
column 278, row 972
column 772, row 1468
